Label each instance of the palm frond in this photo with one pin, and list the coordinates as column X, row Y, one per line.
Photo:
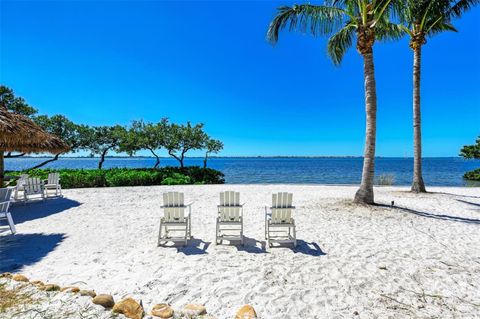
column 461, row 7
column 388, row 31
column 441, row 27
column 340, row 42
column 318, row 20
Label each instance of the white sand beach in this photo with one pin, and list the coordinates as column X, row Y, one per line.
column 419, row 259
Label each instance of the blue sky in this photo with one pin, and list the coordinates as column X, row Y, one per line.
column 110, row 62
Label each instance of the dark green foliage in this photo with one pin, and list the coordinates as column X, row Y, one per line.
column 81, row 178
column 473, row 175
column 15, row 104
column 471, row 151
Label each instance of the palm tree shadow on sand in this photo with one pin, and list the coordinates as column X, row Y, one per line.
column 17, row 251
column 458, row 195
column 467, row 202
column 434, row 216
column 38, row 209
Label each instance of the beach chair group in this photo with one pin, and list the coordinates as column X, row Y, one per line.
column 279, row 223
column 26, row 189
column 29, row 188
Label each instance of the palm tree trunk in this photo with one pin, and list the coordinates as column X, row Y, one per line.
column 205, row 160
column 417, row 185
column 364, row 194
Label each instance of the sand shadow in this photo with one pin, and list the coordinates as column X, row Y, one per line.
column 252, row 246
column 467, row 202
column 451, row 194
column 17, row 251
column 434, row 216
column 303, row 247
column 35, row 210
column 195, row 246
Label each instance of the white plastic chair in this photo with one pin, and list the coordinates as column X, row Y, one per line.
column 53, row 183
column 33, row 189
column 174, row 219
column 20, row 187
column 279, row 224
column 5, row 195
column 230, row 217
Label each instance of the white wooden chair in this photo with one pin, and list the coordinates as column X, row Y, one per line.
column 20, row 188
column 53, row 183
column 34, row 189
column 174, row 219
column 5, row 196
column 230, row 217
column 279, row 224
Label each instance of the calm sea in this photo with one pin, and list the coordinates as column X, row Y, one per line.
column 437, row 171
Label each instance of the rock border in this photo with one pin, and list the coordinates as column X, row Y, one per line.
column 128, row 306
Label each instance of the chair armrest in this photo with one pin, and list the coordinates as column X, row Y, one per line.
column 190, row 204
column 4, row 202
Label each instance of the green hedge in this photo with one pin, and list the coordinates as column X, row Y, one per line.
column 473, row 175
column 81, row 178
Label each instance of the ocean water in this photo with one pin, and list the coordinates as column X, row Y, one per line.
column 436, row 171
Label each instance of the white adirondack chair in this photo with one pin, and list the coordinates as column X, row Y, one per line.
column 34, row 189
column 5, row 194
column 20, row 188
column 53, row 183
column 175, row 219
column 230, row 217
column 279, row 224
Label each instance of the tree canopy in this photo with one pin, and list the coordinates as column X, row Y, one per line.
column 177, row 139
column 342, row 21
column 15, row 104
column 471, row 151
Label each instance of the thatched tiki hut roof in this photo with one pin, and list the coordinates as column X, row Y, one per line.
column 19, row 133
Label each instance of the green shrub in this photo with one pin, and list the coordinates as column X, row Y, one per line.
column 177, row 179
column 473, row 175
column 81, row 178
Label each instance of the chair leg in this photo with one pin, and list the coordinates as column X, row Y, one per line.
column 241, row 234
column 266, row 221
column 294, row 237
column 159, row 234
column 186, row 235
column 267, row 236
column 216, row 232
column 11, row 224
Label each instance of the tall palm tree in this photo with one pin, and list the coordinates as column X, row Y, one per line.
column 363, row 20
column 422, row 19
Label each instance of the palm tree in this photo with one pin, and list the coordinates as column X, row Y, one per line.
column 422, row 19
column 363, row 20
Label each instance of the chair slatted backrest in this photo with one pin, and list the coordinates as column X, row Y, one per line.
column 230, row 207
column 282, row 208
column 33, row 186
column 174, row 206
column 5, row 195
column 22, row 179
column 53, row 178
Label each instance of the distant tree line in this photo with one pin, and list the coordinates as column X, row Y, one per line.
column 176, row 139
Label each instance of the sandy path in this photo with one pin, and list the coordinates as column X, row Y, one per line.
column 422, row 260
